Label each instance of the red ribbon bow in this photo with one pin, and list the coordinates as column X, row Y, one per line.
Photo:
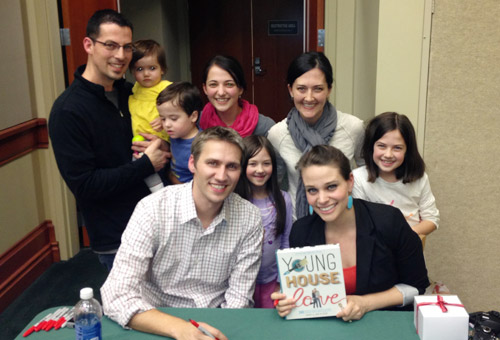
column 440, row 302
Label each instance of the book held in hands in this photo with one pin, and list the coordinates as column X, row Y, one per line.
column 314, row 276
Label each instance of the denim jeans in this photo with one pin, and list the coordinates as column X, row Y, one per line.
column 107, row 260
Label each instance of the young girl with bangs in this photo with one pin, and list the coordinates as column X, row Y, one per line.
column 394, row 173
column 259, row 184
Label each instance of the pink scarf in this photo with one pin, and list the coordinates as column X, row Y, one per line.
column 244, row 124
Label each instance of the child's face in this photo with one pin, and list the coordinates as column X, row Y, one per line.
column 259, row 168
column 147, row 71
column 176, row 122
column 389, row 153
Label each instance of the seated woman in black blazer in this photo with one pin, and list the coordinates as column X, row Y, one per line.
column 382, row 257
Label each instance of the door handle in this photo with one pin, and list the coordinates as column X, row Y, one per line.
column 258, row 70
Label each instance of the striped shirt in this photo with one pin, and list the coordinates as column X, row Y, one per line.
column 167, row 259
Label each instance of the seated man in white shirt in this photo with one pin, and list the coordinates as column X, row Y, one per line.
column 188, row 245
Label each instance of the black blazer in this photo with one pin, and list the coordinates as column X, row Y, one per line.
column 388, row 251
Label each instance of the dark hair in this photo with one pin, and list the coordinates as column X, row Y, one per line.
column 182, row 94
column 144, row 48
column 413, row 166
column 231, row 66
column 325, row 155
column 217, row 133
column 253, row 145
column 105, row 16
column 308, row 61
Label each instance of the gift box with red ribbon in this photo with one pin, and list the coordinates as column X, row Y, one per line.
column 441, row 317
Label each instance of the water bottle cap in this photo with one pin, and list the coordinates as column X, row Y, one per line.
column 86, row 293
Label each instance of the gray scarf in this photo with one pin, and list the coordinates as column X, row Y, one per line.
column 306, row 136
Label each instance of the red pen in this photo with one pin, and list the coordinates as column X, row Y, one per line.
column 33, row 328
column 203, row 330
column 57, row 314
column 36, row 327
column 43, row 322
column 63, row 319
column 48, row 325
column 29, row 331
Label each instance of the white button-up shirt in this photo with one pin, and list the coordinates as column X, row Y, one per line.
column 167, row 259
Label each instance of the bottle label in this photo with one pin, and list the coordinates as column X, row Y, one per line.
column 88, row 332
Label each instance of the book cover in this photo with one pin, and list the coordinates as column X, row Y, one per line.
column 314, row 276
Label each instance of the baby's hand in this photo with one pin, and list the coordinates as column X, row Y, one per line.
column 141, row 146
column 156, row 124
column 138, row 138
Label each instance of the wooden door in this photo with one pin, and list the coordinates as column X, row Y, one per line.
column 220, row 27
column 278, row 28
column 75, row 15
column 242, row 29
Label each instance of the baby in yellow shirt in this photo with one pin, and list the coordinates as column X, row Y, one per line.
column 148, row 65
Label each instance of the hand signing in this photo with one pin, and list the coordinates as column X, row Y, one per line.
column 190, row 332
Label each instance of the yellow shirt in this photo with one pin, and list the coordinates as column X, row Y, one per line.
column 142, row 106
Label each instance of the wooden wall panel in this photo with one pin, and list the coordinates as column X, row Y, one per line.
column 23, row 138
column 27, row 260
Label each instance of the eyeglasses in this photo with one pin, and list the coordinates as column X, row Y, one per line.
column 112, row 46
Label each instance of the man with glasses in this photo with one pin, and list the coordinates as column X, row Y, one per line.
column 91, row 134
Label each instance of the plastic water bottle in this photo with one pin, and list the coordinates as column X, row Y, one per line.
column 88, row 314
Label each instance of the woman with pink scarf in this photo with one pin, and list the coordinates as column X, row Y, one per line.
column 224, row 83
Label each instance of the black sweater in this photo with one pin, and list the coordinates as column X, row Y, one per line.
column 92, row 142
column 388, row 251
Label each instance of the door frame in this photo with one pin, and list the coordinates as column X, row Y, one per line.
column 314, row 21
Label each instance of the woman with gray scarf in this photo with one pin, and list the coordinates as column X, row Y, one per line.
column 313, row 121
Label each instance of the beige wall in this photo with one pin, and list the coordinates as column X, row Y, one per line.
column 13, row 68
column 462, row 149
column 402, row 57
column 19, row 209
column 351, row 41
column 31, row 188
